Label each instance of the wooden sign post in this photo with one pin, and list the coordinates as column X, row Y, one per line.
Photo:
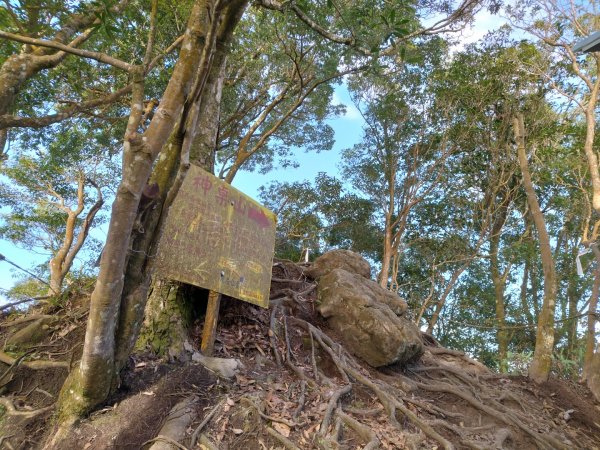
column 209, row 331
column 219, row 239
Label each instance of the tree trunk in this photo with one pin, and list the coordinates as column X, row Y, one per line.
column 593, row 378
column 90, row 382
column 588, row 146
column 499, row 282
column 500, row 213
column 388, row 248
column 442, row 301
column 572, row 299
column 544, row 343
column 62, row 261
column 165, row 325
column 590, row 337
column 143, row 248
column 195, row 142
column 387, row 255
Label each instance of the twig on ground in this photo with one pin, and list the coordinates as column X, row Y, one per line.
column 249, row 402
column 204, row 422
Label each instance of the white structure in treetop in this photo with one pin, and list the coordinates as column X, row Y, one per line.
column 589, row 44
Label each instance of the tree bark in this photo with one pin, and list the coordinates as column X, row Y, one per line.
column 197, row 133
column 540, row 368
column 387, row 254
column 499, row 281
column 442, row 301
column 588, row 146
column 90, row 382
column 593, row 378
column 590, row 337
column 62, row 261
column 573, row 297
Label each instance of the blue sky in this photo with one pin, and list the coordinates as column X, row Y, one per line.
column 347, row 128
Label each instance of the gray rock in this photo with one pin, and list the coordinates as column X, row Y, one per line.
column 339, row 259
column 368, row 319
column 224, row 367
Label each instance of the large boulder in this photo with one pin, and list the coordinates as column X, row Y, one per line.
column 368, row 318
column 339, row 259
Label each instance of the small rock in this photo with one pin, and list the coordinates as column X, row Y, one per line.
column 224, row 367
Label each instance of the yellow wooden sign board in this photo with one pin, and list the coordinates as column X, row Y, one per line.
column 218, row 238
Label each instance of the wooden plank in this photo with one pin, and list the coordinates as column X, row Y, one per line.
column 209, row 332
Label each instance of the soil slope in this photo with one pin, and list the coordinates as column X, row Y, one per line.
column 298, row 389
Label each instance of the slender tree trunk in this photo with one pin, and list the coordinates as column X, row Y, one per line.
column 544, row 344
column 387, row 255
column 499, row 281
column 590, row 337
column 500, row 213
column 62, row 261
column 442, row 301
column 572, row 300
column 525, row 307
column 388, row 248
column 588, row 146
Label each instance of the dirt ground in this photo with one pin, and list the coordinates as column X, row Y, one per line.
column 298, row 389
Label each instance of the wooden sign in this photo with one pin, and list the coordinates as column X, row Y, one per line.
column 218, row 238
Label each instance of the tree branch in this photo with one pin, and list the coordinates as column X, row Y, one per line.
column 97, row 56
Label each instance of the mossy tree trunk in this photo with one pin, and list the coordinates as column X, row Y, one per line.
column 167, row 308
column 90, row 383
column 499, row 277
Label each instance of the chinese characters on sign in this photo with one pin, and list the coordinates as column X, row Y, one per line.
column 218, row 238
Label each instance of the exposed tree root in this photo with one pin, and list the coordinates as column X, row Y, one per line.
column 204, row 422
column 362, row 430
column 206, row 442
column 10, row 409
column 168, row 440
column 282, row 439
column 392, row 393
column 301, row 400
column 26, row 319
column 502, row 435
column 250, row 402
column 35, row 365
